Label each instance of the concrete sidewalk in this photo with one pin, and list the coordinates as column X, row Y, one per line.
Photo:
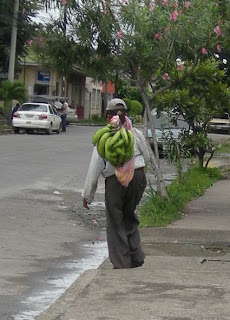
column 186, row 274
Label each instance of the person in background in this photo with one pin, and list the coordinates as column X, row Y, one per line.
column 15, row 109
column 123, row 237
column 63, row 114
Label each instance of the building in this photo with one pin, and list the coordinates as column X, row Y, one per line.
column 84, row 94
column 44, row 82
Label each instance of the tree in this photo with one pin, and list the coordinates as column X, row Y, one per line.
column 198, row 98
column 143, row 40
column 26, row 28
column 11, row 91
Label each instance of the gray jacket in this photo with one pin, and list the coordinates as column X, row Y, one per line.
column 98, row 166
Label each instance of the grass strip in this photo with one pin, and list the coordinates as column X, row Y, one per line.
column 155, row 211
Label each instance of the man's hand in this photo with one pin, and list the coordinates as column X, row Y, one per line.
column 85, row 203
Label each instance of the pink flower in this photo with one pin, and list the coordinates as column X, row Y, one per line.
column 151, row 7
column 124, row 1
column 165, row 2
column 166, row 76
column 204, row 51
column 158, row 36
column 119, row 34
column 217, row 30
column 187, row 4
column 174, row 15
column 180, row 67
column 64, row 2
column 30, row 42
column 218, row 47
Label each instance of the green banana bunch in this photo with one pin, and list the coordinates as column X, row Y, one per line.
column 116, row 145
column 96, row 137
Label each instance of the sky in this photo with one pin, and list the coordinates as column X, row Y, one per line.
column 45, row 17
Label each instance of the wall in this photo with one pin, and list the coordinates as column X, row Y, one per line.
column 93, row 99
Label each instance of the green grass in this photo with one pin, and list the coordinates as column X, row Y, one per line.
column 224, row 147
column 156, row 211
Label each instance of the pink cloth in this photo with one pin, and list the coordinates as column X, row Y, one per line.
column 124, row 173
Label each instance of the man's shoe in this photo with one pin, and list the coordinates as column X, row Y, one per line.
column 136, row 264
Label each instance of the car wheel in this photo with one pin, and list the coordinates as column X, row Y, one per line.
column 16, row 130
column 49, row 131
column 59, row 129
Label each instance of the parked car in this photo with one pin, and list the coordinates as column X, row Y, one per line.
column 166, row 130
column 220, row 123
column 71, row 112
column 163, row 136
column 36, row 117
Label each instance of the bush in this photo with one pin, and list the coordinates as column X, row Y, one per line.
column 95, row 117
column 128, row 103
column 137, row 107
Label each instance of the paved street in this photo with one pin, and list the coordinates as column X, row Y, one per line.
column 47, row 238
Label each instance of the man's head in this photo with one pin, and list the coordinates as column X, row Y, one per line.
column 114, row 107
column 116, row 104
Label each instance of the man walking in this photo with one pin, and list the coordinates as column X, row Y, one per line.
column 123, row 237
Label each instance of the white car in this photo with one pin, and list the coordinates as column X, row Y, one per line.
column 71, row 115
column 36, row 117
column 71, row 112
column 220, row 123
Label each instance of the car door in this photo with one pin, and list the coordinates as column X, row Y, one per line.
column 57, row 119
column 52, row 117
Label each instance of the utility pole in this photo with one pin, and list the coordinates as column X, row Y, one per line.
column 13, row 41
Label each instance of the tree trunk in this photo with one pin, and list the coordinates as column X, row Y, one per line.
column 201, row 161
column 161, row 187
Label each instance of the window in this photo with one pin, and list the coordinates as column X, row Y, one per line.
column 51, row 110
column 54, row 111
column 98, row 98
column 33, row 107
column 94, row 92
column 40, row 89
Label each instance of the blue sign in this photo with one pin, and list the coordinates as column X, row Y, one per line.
column 43, row 76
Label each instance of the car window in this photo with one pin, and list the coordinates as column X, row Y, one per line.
column 51, row 110
column 223, row 116
column 54, row 110
column 33, row 107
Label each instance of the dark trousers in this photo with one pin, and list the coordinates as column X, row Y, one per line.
column 122, row 223
column 63, row 118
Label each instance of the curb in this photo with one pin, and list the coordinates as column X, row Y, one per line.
column 69, row 297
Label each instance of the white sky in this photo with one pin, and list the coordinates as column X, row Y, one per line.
column 45, row 17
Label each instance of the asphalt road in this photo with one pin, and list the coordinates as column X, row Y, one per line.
column 47, row 238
